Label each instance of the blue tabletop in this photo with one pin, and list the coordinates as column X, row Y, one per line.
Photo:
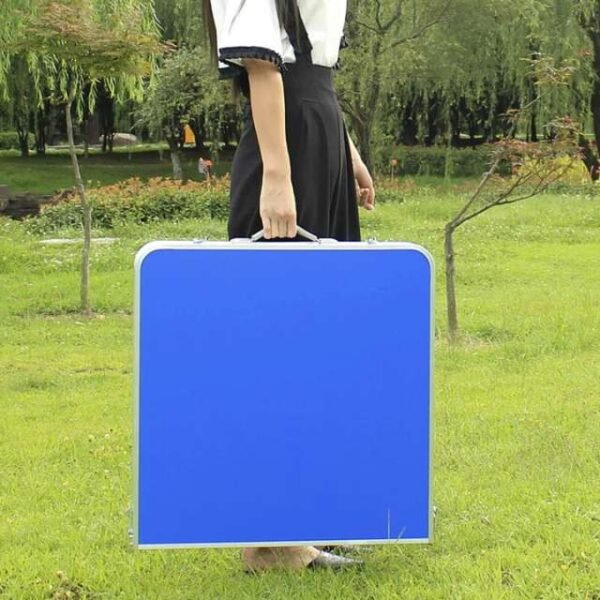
column 283, row 396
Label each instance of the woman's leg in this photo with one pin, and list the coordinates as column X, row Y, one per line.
column 244, row 221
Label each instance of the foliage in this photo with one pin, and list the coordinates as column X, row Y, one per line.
column 180, row 21
column 450, row 68
column 115, row 40
column 439, row 160
column 415, row 71
column 186, row 90
column 137, row 201
column 9, row 140
column 379, row 33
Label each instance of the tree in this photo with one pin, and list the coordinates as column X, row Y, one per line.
column 180, row 21
column 443, row 70
column 588, row 13
column 21, row 111
column 535, row 168
column 69, row 45
column 106, row 109
column 185, row 91
column 377, row 30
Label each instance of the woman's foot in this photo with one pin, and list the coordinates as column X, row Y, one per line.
column 293, row 558
column 278, row 557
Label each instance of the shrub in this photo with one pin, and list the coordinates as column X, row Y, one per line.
column 9, row 140
column 137, row 201
column 441, row 161
column 574, row 172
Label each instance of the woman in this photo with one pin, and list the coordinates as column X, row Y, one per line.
column 295, row 163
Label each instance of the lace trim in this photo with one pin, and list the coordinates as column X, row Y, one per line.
column 344, row 42
column 227, row 54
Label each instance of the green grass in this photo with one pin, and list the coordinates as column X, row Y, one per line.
column 517, row 451
column 53, row 172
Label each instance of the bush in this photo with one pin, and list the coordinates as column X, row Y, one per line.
column 441, row 161
column 9, row 140
column 137, row 201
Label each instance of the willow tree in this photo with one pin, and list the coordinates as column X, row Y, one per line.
column 72, row 45
column 379, row 33
column 473, row 69
column 20, row 109
column 426, row 71
column 483, row 62
column 587, row 13
column 180, row 21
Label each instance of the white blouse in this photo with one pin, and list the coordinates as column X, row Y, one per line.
column 251, row 29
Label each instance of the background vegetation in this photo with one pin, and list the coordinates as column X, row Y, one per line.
column 427, row 72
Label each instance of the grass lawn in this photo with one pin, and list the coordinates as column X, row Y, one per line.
column 47, row 174
column 517, row 421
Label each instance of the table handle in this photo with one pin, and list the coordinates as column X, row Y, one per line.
column 259, row 235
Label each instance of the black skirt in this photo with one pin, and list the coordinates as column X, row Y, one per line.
column 322, row 174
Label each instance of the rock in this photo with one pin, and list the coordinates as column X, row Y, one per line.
column 123, row 139
column 23, row 205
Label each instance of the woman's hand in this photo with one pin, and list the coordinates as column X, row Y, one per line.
column 365, row 190
column 278, row 205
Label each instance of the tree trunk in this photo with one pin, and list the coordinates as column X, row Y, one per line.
column 106, row 112
column 86, row 216
column 40, row 123
column 23, row 136
column 433, row 114
column 595, row 100
column 86, row 145
column 176, row 161
column 24, row 144
column 408, row 126
column 596, row 110
column 363, row 134
column 455, row 125
column 590, row 160
column 450, row 284
column 533, row 130
column 367, row 110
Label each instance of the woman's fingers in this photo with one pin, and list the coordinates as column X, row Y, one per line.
column 280, row 226
column 370, row 198
column 268, row 229
column 366, row 197
column 365, row 188
column 276, row 227
column 292, row 227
